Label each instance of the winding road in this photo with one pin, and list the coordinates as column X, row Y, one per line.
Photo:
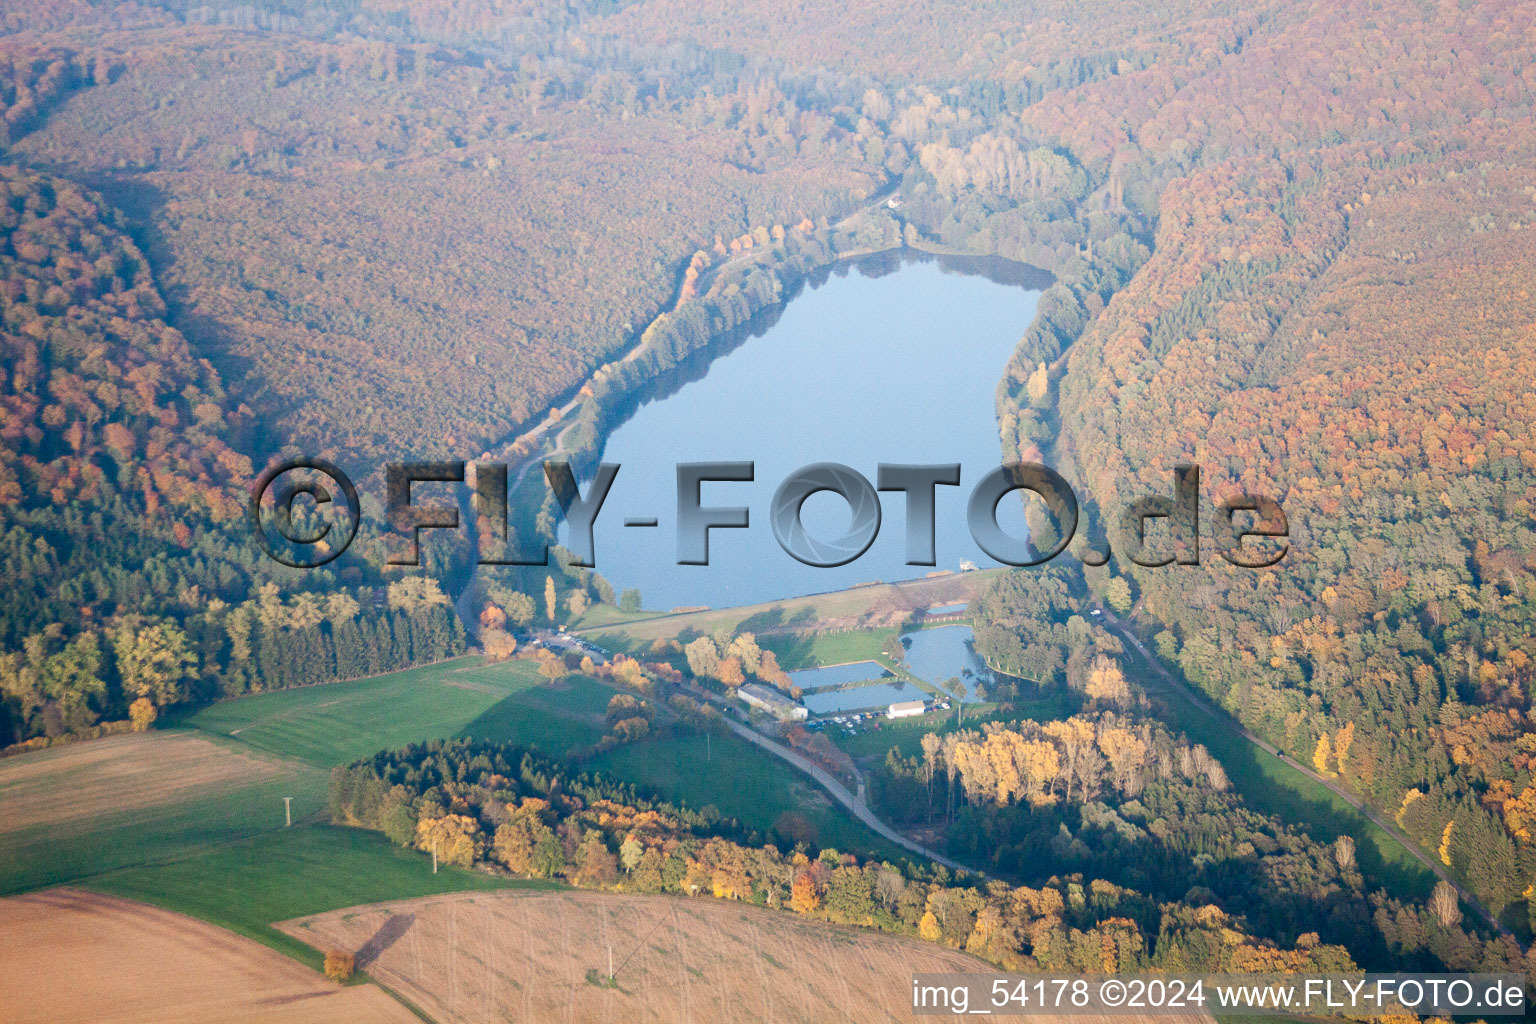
column 855, row 802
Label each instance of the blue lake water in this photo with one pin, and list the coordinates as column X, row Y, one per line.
column 836, row 675
column 936, row 655
column 890, row 359
column 859, row 698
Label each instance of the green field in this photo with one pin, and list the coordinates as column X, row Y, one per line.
column 737, row 779
column 741, row 781
column 340, row 722
column 607, row 615
column 296, row 736
column 248, row 885
column 791, row 613
column 1273, row 786
column 292, row 737
column 556, row 719
column 143, row 827
column 330, row 725
column 797, row 651
column 220, row 852
column 794, row 649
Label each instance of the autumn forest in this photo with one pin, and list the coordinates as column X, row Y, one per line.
column 1290, row 241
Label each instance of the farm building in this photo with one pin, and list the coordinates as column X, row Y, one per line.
column 904, row 709
column 773, row 702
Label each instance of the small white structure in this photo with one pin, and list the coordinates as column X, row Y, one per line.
column 773, row 702
column 904, row 709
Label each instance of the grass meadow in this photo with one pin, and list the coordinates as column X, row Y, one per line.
column 191, row 818
column 741, row 781
column 1274, row 786
column 111, row 811
column 340, row 722
column 247, row 885
column 165, row 802
column 797, row 651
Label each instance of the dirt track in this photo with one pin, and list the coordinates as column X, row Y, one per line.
column 68, row 955
column 541, row 959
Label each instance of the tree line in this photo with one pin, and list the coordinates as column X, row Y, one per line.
column 501, row 808
column 1119, row 797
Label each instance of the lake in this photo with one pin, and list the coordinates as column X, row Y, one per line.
column 860, row 698
column 894, row 358
column 837, row 675
column 946, row 652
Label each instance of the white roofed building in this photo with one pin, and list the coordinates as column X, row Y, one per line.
column 773, row 702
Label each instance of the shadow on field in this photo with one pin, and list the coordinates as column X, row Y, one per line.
column 388, row 934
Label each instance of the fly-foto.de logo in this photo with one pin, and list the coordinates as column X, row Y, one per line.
column 305, row 513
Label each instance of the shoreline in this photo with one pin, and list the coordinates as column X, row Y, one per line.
column 598, row 394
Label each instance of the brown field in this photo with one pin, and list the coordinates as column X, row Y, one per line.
column 67, row 955
column 84, row 780
column 544, row 958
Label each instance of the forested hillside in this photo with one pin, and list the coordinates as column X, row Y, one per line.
column 131, row 586
column 1380, row 390
column 1292, row 242
column 1337, row 313
column 403, row 250
column 1302, row 260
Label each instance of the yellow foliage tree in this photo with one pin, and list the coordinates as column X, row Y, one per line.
column 1322, row 754
column 1127, row 755
column 1106, row 682
column 1520, row 812
column 142, row 713
column 499, row 645
column 1038, row 383
column 803, row 897
column 456, row 837
column 339, row 965
column 1342, row 743
column 1040, row 765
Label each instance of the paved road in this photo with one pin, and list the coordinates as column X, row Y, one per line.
column 1204, row 704
column 855, row 802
